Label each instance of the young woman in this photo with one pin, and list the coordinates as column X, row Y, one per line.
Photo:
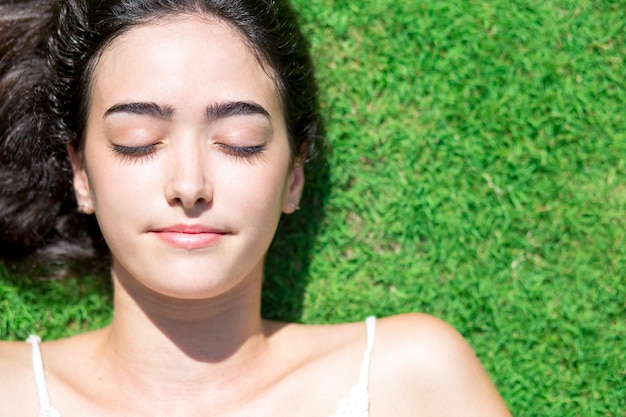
column 183, row 128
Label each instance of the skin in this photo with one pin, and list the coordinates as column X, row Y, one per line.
column 163, row 150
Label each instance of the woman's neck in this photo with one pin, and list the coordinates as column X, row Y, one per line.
column 167, row 346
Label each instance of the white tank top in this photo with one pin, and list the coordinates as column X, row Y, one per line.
column 356, row 404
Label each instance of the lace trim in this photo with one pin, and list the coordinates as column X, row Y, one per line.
column 356, row 404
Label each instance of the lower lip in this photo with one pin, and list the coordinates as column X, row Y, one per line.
column 190, row 240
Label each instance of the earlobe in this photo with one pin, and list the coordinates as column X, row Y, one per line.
column 80, row 182
column 296, row 185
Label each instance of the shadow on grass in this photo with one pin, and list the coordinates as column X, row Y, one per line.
column 289, row 257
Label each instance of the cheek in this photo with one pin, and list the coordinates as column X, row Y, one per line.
column 119, row 192
column 263, row 189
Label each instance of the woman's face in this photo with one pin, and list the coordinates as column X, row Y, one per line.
column 186, row 162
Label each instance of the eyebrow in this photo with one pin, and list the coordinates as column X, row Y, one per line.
column 235, row 108
column 142, row 109
column 213, row 111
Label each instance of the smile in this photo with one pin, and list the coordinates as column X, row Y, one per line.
column 190, row 237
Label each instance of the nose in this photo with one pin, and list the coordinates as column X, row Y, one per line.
column 188, row 184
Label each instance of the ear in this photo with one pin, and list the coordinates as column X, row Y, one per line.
column 296, row 185
column 80, row 181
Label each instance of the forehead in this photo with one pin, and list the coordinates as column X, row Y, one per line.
column 196, row 57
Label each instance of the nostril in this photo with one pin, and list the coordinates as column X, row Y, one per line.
column 202, row 201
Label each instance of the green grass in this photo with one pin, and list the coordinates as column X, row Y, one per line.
column 478, row 173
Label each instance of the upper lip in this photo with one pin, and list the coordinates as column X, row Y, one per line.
column 189, row 229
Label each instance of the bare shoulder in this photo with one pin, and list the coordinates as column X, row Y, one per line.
column 18, row 393
column 423, row 366
column 321, row 344
column 423, row 334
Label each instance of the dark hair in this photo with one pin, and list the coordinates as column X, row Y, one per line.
column 49, row 53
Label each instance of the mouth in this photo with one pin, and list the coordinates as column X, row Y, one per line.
column 190, row 236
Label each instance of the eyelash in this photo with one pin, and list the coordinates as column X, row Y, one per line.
column 242, row 152
column 132, row 152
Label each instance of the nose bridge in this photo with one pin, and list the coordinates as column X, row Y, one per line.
column 188, row 184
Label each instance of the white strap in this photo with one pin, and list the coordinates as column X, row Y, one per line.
column 370, row 326
column 45, row 408
column 357, row 403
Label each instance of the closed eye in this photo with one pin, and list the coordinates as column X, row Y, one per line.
column 242, row 151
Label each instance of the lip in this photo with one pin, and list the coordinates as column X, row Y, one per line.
column 190, row 236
